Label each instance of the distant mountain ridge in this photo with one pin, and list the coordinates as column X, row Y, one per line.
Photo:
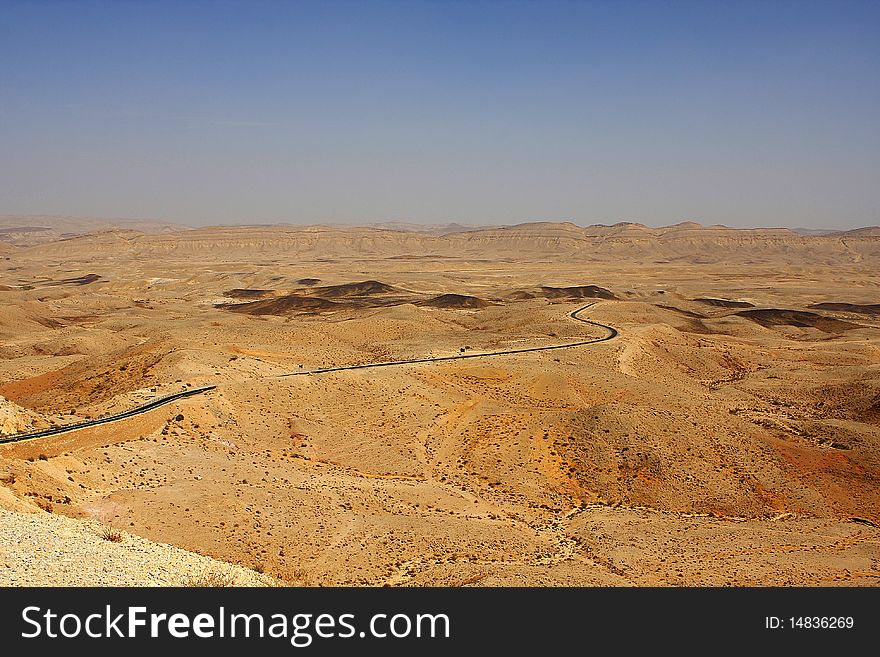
column 25, row 230
column 683, row 243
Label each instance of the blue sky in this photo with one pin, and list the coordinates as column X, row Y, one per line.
column 742, row 113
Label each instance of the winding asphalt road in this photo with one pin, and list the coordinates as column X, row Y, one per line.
column 167, row 399
column 612, row 333
column 137, row 410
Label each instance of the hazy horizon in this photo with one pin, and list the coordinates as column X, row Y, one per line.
column 389, row 223
column 202, row 113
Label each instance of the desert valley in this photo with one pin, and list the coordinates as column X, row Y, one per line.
column 713, row 419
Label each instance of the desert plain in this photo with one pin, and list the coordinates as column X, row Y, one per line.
column 728, row 434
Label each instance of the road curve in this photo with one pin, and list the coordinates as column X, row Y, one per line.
column 167, row 399
column 612, row 333
column 137, row 410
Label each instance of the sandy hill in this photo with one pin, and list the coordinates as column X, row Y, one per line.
column 14, row 418
column 867, row 231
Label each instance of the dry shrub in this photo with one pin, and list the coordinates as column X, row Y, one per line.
column 110, row 533
column 296, row 577
column 108, row 512
column 211, row 578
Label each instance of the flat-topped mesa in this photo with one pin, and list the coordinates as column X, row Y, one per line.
column 577, row 292
column 770, row 317
column 561, row 293
column 287, row 304
column 76, row 280
column 246, row 293
column 459, row 301
column 330, row 297
column 363, row 288
column 858, row 308
column 724, row 303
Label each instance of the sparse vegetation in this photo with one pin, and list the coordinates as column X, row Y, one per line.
column 298, row 576
column 211, row 578
column 110, row 533
column 108, row 513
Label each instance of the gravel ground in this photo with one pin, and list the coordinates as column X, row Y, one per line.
column 42, row 549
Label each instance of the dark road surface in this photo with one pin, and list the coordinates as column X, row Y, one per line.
column 167, row 399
